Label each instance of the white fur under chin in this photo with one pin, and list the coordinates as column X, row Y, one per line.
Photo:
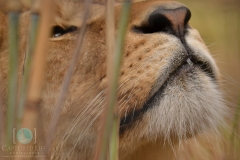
column 187, row 107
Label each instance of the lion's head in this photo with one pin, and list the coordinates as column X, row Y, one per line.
column 168, row 88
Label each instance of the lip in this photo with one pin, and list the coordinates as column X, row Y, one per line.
column 187, row 66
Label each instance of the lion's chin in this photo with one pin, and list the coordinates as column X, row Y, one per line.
column 186, row 80
column 189, row 104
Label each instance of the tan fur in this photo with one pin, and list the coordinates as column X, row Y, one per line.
column 191, row 103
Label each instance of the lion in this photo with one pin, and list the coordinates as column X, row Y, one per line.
column 168, row 87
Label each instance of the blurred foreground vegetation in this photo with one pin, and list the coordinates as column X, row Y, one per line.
column 218, row 22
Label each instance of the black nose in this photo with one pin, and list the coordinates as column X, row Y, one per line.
column 173, row 21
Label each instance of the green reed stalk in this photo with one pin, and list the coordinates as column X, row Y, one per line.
column 27, row 68
column 13, row 73
column 111, row 124
column 114, row 140
column 110, row 39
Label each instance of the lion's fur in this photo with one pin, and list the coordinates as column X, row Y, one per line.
column 192, row 104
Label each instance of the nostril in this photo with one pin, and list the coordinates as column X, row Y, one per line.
column 155, row 23
column 187, row 17
column 172, row 21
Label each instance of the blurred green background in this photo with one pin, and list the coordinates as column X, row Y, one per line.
column 218, row 22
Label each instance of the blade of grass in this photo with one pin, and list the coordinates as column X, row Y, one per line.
column 114, row 140
column 27, row 68
column 110, row 37
column 39, row 58
column 68, row 75
column 31, row 110
column 13, row 73
column 108, row 121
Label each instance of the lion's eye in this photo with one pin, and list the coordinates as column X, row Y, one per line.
column 58, row 31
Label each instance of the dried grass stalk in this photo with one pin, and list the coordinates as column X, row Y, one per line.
column 110, row 127
column 102, row 144
column 31, row 110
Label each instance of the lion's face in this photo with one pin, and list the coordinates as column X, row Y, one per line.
column 168, row 87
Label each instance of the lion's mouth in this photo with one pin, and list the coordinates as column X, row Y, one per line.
column 187, row 66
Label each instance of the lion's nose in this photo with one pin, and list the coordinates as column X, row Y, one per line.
column 170, row 20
